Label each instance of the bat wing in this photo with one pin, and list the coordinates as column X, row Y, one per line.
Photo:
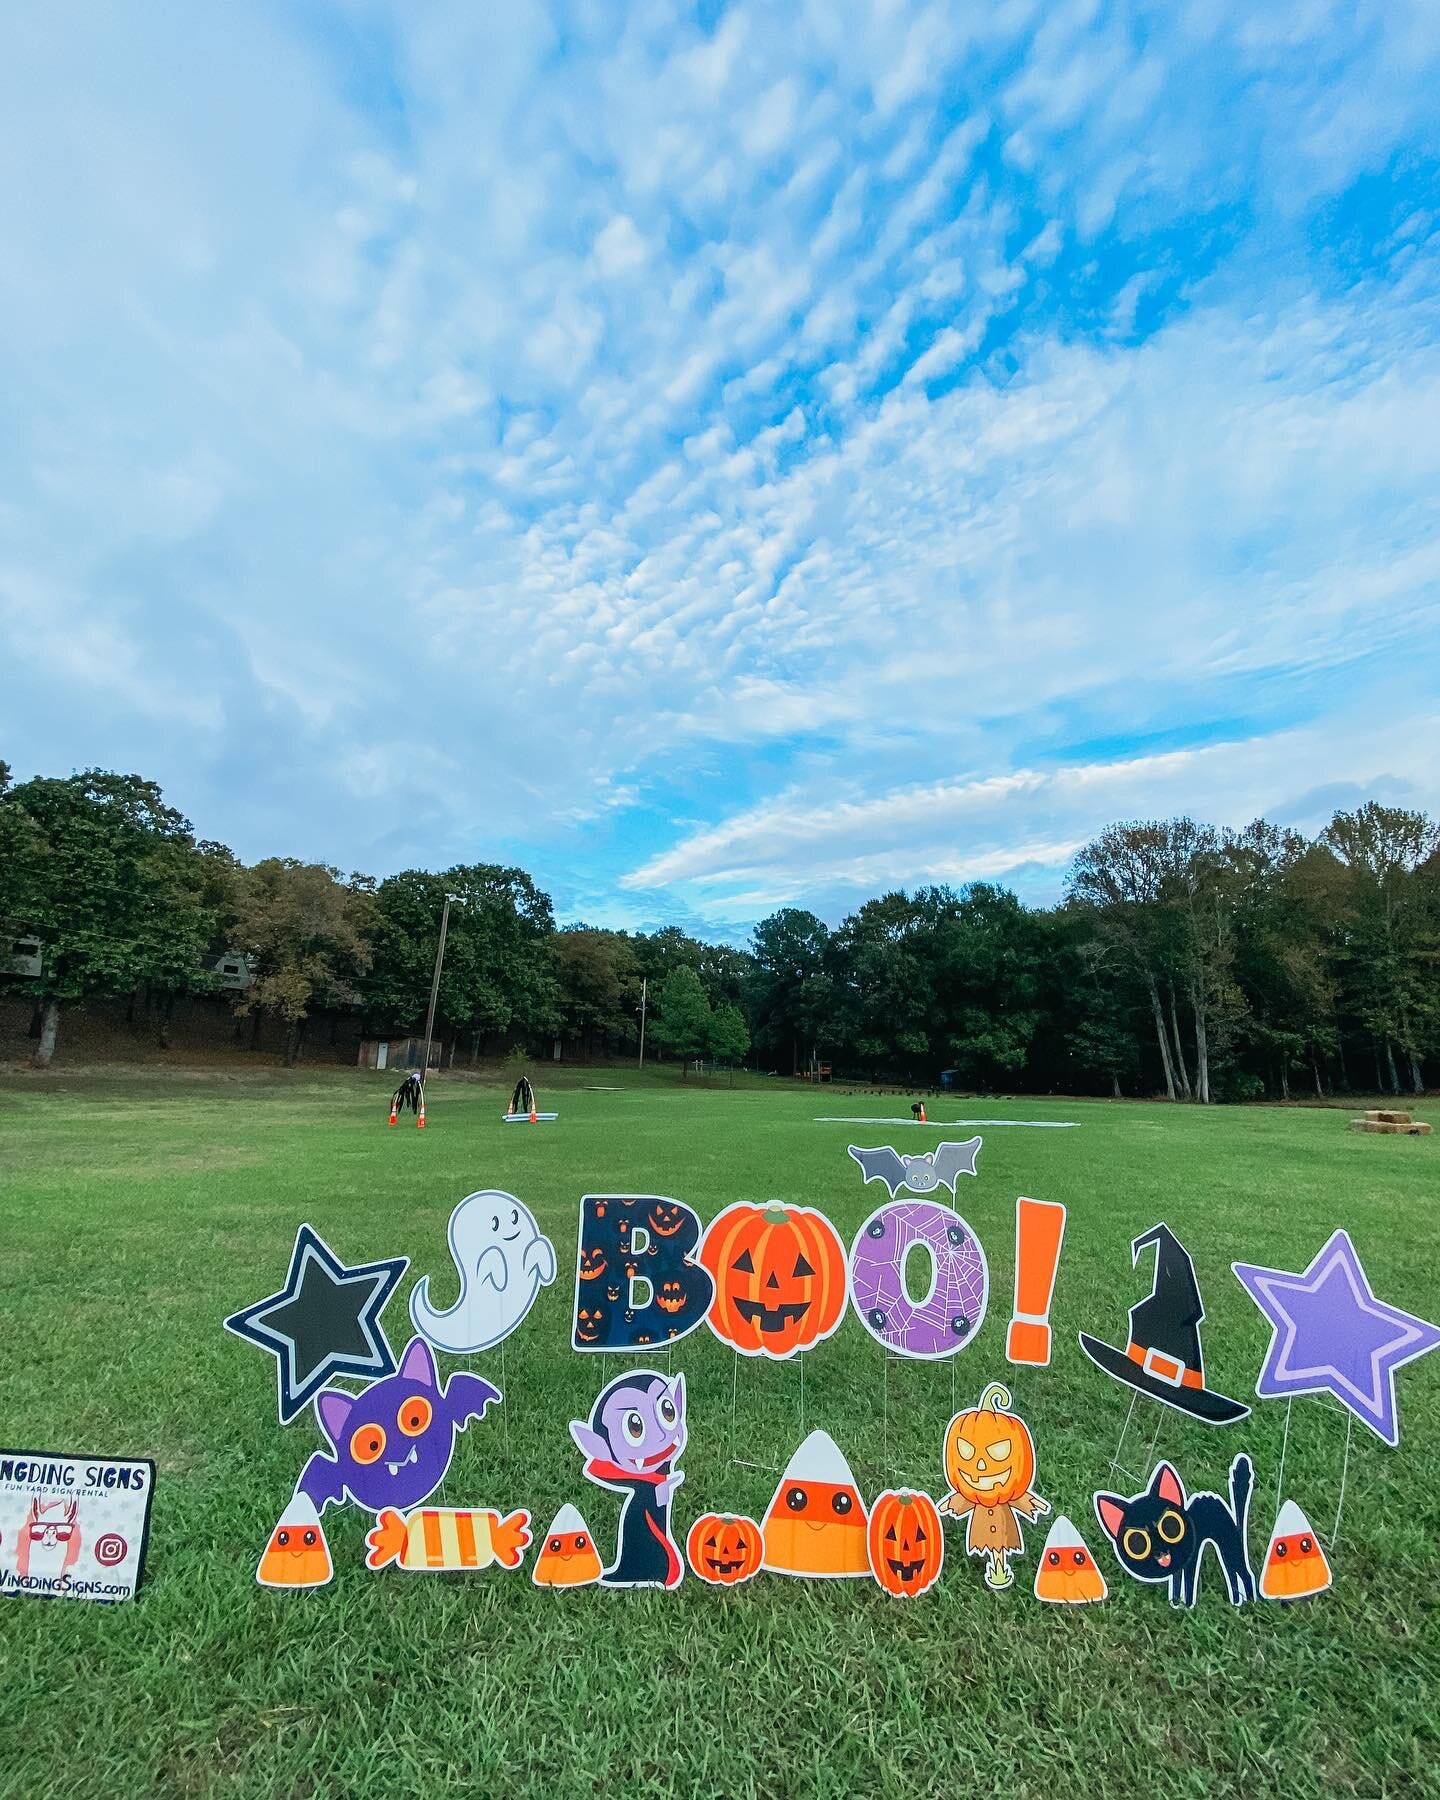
column 952, row 1160
column 321, row 1481
column 883, row 1164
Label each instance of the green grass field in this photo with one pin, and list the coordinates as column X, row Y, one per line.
column 134, row 1215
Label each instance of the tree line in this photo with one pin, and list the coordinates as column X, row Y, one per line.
column 1200, row 963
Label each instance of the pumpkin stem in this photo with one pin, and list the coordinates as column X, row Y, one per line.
column 996, row 1397
column 905, row 1499
column 775, row 1214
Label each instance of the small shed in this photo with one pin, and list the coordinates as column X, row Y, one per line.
column 20, row 952
column 233, row 971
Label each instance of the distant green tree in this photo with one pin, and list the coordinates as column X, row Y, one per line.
column 683, row 1019
column 306, row 934
column 791, row 997
column 599, row 987
column 499, row 977
column 729, row 1035
column 113, row 882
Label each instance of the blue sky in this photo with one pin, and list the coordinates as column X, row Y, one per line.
column 722, row 457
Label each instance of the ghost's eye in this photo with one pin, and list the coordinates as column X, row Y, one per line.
column 282, row 1538
column 515, row 1216
column 1171, row 1527
column 840, row 1504
column 1137, row 1544
column 367, row 1444
column 414, row 1415
column 667, row 1411
column 495, row 1222
column 634, row 1427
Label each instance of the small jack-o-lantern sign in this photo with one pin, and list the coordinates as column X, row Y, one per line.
column 670, row 1297
column 592, row 1264
column 724, row 1548
column 1067, row 1575
column 568, row 1557
column 297, row 1554
column 666, row 1218
column 989, row 1454
column 589, row 1323
column 1295, row 1565
column 780, row 1276
column 906, row 1542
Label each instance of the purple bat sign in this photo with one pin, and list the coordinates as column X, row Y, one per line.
column 1330, row 1335
column 391, row 1445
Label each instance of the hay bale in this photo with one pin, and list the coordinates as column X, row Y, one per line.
column 1383, row 1117
column 1391, row 1127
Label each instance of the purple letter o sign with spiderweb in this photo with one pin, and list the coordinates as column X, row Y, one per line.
column 953, row 1277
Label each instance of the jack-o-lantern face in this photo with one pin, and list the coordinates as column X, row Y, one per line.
column 568, row 1557
column 906, row 1543
column 724, row 1548
column 592, row 1264
column 297, row 1554
column 779, row 1276
column 665, row 1218
column 589, row 1324
column 671, row 1296
column 816, row 1522
column 989, row 1455
column 1295, row 1565
column 1067, row 1575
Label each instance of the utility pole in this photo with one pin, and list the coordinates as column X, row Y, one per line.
column 435, row 985
column 644, row 994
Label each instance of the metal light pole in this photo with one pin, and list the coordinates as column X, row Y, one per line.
column 644, row 994
column 435, row 986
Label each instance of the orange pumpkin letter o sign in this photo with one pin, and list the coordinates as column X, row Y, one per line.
column 907, row 1544
column 780, row 1278
column 724, row 1548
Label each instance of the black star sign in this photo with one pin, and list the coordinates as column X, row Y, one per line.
column 325, row 1321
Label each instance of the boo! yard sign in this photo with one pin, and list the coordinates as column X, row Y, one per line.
column 73, row 1527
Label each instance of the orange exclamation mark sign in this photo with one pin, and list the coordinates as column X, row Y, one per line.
column 1039, row 1231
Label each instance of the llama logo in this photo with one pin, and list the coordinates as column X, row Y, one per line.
column 48, row 1527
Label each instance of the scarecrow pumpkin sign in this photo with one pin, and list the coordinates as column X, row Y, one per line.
column 779, row 1275
column 724, row 1548
column 906, row 1541
column 990, row 1463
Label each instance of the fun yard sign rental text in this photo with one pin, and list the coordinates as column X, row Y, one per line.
column 773, row 1281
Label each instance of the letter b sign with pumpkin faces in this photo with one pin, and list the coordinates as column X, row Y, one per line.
column 636, row 1283
column 780, row 1278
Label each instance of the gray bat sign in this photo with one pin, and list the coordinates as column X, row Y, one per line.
column 936, row 1168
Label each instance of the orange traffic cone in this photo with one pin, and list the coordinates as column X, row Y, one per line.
column 420, row 1117
column 533, row 1118
column 394, row 1116
column 922, row 1112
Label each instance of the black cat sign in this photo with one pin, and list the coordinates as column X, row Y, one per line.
column 73, row 1527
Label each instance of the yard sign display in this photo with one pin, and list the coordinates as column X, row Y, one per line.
column 774, row 1281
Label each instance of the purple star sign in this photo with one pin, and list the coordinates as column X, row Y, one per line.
column 1329, row 1334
